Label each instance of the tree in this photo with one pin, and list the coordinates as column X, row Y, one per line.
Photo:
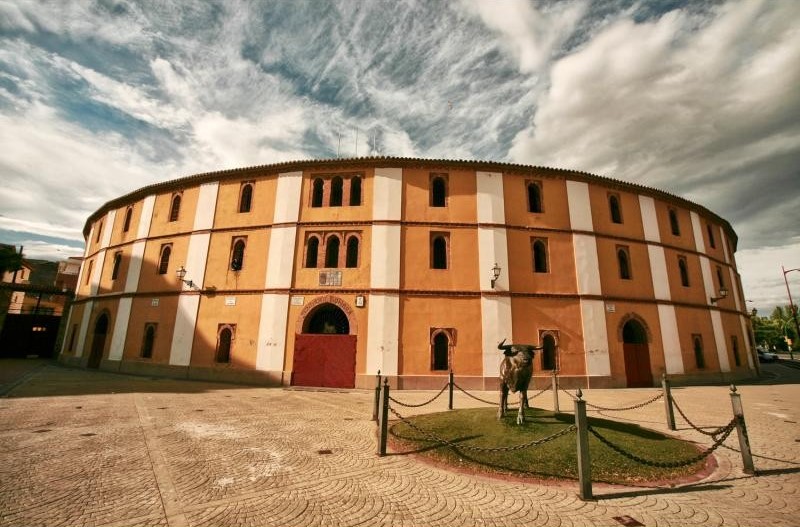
column 10, row 259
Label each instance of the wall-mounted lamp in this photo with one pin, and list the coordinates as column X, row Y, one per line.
column 181, row 272
column 722, row 294
column 495, row 273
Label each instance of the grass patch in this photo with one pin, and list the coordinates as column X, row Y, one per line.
column 555, row 459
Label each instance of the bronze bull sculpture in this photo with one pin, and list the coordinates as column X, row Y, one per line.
column 516, row 371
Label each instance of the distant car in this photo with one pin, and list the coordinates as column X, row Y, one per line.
column 766, row 356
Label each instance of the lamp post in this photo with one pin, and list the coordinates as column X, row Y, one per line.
column 181, row 273
column 723, row 293
column 792, row 307
column 495, row 273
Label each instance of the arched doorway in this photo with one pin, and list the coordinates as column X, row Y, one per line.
column 637, row 354
column 325, row 351
column 98, row 341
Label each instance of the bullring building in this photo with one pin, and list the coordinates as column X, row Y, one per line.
column 322, row 272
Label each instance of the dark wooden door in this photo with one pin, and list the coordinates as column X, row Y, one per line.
column 324, row 360
column 637, row 365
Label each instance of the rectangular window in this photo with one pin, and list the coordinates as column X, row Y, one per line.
column 540, row 255
column 88, row 271
column 115, row 266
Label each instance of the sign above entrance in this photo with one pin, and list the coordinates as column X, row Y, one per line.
column 360, row 301
column 298, row 300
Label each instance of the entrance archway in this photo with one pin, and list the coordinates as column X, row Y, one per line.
column 98, row 341
column 325, row 351
column 637, row 354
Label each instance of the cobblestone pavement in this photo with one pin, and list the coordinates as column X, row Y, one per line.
column 83, row 448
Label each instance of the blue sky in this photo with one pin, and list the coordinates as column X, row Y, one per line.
column 698, row 99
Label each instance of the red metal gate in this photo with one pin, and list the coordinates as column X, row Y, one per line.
column 637, row 365
column 324, row 360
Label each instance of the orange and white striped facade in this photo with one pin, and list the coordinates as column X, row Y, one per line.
column 619, row 281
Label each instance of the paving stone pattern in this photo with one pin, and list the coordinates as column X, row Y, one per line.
column 84, row 448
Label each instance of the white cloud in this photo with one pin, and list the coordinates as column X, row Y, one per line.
column 531, row 34
column 762, row 278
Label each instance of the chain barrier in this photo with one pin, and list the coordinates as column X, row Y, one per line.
column 495, row 403
column 429, row 401
column 436, row 438
column 715, row 433
column 726, row 431
column 632, row 407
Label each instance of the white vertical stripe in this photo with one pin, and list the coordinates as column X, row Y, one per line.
column 280, row 258
column 206, row 206
column 595, row 338
column 120, row 329
column 287, row 201
column 724, row 241
column 670, row 339
column 383, row 334
column 87, row 314
column 697, row 229
column 658, row 269
column 708, row 280
column 719, row 340
column 733, row 289
column 135, row 266
column 108, row 228
column 491, row 202
column 496, row 326
column 493, row 249
column 65, row 342
column 385, row 257
column 196, row 258
column 647, row 206
column 271, row 345
column 387, row 194
column 587, row 265
column 183, row 335
column 147, row 216
column 97, row 273
column 580, row 209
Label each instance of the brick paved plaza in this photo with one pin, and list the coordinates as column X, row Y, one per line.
column 82, row 448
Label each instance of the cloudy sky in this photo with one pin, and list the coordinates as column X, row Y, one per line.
column 698, row 99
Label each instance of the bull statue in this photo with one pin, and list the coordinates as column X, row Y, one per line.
column 516, row 371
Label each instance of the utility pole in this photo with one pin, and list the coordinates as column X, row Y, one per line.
column 792, row 307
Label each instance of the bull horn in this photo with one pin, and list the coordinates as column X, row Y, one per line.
column 504, row 346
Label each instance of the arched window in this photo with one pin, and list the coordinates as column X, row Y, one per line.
column 673, row 222
column 332, row 252
column 355, row 192
column 352, row 252
column 318, row 191
column 549, row 352
column 624, row 263
column 237, row 254
column 711, row 236
column 312, row 252
column 684, row 271
column 246, row 197
column 149, row 340
column 99, row 232
column 336, row 192
column 438, row 192
column 534, row 196
column 699, row 359
column 163, row 263
column 720, row 281
column 441, row 352
column 613, row 205
column 735, row 347
column 115, row 268
column 126, row 226
column 175, row 210
column 540, row 256
column 439, row 252
column 224, row 341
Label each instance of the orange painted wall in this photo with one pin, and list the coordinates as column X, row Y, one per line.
column 686, row 238
column 640, row 284
column 149, row 279
column 461, row 203
column 326, row 213
column 696, row 321
column 356, row 277
column 142, row 312
column 555, row 213
column 415, row 269
column 212, row 312
column 419, row 314
column 614, row 324
column 631, row 226
column 218, row 269
column 262, row 207
column 561, row 262
column 160, row 224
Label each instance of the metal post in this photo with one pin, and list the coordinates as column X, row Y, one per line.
column 584, row 465
column 383, row 419
column 554, row 384
column 450, row 401
column 377, row 396
column 668, row 402
column 741, row 429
